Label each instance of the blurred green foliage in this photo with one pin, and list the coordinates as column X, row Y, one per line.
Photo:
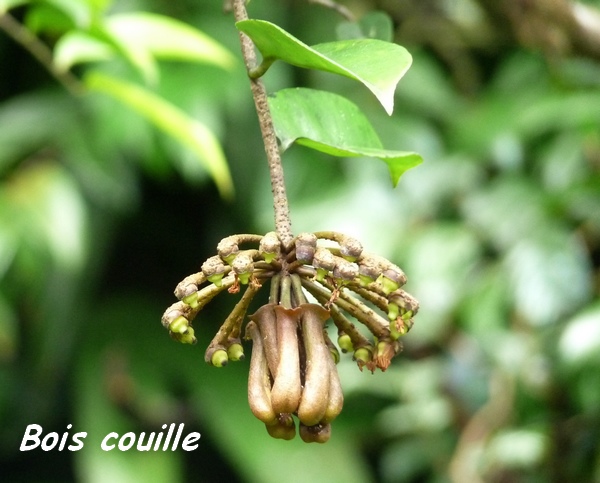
column 101, row 214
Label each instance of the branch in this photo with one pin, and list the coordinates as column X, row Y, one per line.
column 555, row 26
column 40, row 51
column 283, row 224
column 341, row 9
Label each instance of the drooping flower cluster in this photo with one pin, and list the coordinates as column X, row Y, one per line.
column 293, row 364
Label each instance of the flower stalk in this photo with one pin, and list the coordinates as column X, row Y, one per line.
column 293, row 373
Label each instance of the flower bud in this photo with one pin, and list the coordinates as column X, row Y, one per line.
column 369, row 269
column 214, row 269
column 345, row 270
column 386, row 350
column 345, row 343
column 324, row 262
column 180, row 325
column 173, row 312
column 401, row 326
column 404, row 301
column 243, row 266
column 219, row 358
column 284, row 428
column 306, row 244
column 228, row 248
column 319, row 433
column 216, row 356
column 186, row 337
column 363, row 356
column 270, row 246
column 392, row 279
column 191, row 300
column 393, row 311
column 350, row 249
column 235, row 352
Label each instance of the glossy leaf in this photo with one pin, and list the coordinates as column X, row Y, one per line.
column 172, row 121
column 77, row 46
column 167, row 38
column 378, row 65
column 49, row 211
column 332, row 124
column 76, row 10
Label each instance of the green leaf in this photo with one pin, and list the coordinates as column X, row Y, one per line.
column 172, row 121
column 378, row 65
column 168, row 38
column 76, row 10
column 76, row 46
column 45, row 18
column 332, row 124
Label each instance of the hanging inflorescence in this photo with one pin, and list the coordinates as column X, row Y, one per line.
column 293, row 364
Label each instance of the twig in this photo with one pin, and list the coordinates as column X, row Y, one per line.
column 41, row 52
column 283, row 225
column 343, row 11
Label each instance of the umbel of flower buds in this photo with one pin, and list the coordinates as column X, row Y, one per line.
column 293, row 378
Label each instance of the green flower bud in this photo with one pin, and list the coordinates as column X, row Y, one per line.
column 363, row 356
column 369, row 269
column 180, row 325
column 214, row 269
column 270, row 246
column 387, row 284
column 186, row 337
column 396, row 329
column 386, row 350
column 392, row 279
column 364, row 280
column 228, row 249
column 345, row 270
column 219, row 358
column 244, row 278
column 345, row 343
column 235, row 352
column 406, row 302
column 173, row 312
column 393, row 311
column 191, row 300
column 217, row 279
column 243, row 266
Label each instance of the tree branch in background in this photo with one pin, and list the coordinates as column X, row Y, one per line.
column 40, row 51
column 341, row 9
column 283, row 225
column 557, row 27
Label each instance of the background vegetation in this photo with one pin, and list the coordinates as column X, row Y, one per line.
column 101, row 215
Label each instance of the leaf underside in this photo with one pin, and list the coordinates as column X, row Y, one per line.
column 332, row 124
